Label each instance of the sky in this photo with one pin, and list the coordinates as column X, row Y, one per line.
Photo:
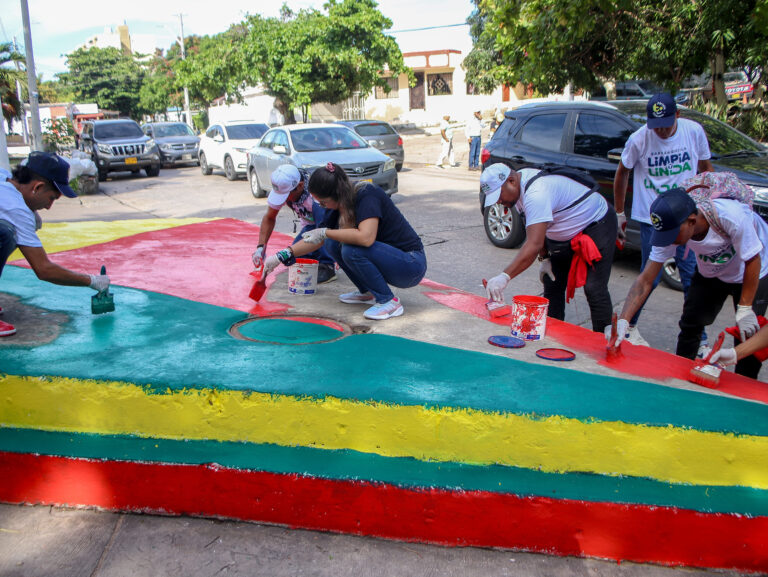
column 59, row 28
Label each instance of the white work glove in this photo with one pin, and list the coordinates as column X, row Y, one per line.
column 99, row 282
column 258, row 257
column 545, row 269
column 746, row 321
column 315, row 236
column 622, row 331
column 622, row 232
column 724, row 357
column 496, row 286
column 271, row 264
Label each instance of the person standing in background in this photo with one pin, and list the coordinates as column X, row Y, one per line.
column 473, row 131
column 446, row 135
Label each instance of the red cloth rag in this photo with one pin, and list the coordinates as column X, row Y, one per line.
column 762, row 354
column 585, row 252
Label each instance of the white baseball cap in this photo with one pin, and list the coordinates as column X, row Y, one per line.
column 491, row 181
column 285, row 178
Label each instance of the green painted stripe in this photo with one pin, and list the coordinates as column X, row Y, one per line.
column 352, row 465
column 194, row 350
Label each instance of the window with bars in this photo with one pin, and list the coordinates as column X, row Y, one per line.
column 394, row 86
column 441, row 83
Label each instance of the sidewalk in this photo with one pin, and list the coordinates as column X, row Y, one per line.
column 422, row 148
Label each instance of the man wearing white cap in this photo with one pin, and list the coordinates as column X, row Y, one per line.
column 290, row 185
column 570, row 228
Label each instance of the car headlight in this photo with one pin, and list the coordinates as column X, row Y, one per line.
column 165, row 146
column 309, row 167
column 761, row 192
column 105, row 148
column 389, row 164
column 150, row 143
column 240, row 150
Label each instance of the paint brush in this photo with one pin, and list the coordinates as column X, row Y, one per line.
column 260, row 286
column 103, row 301
column 704, row 373
column 496, row 309
column 613, row 350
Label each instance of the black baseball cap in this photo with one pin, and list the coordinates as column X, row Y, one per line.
column 661, row 110
column 668, row 212
column 51, row 167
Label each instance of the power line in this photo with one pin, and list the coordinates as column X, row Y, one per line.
column 428, row 28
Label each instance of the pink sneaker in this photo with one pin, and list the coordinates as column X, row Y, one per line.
column 6, row 329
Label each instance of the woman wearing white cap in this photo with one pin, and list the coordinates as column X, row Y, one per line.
column 570, row 228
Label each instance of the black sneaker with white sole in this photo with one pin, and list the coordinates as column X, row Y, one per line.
column 326, row 273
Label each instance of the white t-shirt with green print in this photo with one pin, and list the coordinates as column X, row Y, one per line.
column 662, row 163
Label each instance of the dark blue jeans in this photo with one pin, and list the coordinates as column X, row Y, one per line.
column 321, row 255
column 474, row 152
column 7, row 242
column 373, row 268
column 685, row 266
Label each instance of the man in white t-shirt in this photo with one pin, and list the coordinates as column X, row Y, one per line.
column 473, row 131
column 446, row 140
column 290, row 185
column 35, row 183
column 734, row 264
column 665, row 152
column 557, row 211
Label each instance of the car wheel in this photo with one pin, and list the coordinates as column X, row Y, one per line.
column 255, row 186
column 399, row 166
column 204, row 168
column 152, row 170
column 671, row 276
column 229, row 169
column 503, row 226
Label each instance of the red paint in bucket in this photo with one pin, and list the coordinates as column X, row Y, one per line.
column 529, row 317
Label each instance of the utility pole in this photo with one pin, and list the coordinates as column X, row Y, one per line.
column 187, row 113
column 4, row 161
column 19, row 96
column 36, row 133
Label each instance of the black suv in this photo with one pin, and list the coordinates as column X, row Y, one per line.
column 590, row 136
column 119, row 145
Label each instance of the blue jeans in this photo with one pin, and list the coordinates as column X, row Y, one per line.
column 7, row 242
column 321, row 255
column 373, row 268
column 685, row 266
column 474, row 152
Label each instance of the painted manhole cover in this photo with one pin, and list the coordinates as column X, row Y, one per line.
column 289, row 330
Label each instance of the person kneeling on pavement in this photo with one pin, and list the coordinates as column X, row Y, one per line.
column 731, row 261
column 570, row 228
column 369, row 238
column 290, row 186
column 35, row 184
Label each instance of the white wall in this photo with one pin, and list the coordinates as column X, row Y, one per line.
column 256, row 106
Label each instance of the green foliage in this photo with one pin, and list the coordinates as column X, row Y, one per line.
column 300, row 58
column 200, row 121
column 54, row 91
column 751, row 120
column 106, row 76
column 12, row 109
column 58, row 134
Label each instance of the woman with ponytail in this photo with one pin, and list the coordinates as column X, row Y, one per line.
column 368, row 236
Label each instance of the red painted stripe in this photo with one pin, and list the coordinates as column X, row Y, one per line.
column 564, row 527
column 634, row 360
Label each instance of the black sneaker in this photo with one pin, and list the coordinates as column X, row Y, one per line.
column 326, row 273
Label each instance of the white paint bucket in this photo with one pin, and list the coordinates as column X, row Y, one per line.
column 529, row 317
column 302, row 277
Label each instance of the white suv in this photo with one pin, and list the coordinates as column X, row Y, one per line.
column 225, row 144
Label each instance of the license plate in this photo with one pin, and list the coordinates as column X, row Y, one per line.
column 186, row 157
column 366, row 180
column 131, row 160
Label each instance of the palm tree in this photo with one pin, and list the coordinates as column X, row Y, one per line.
column 12, row 108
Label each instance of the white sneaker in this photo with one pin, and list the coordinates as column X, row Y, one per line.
column 636, row 338
column 380, row 312
column 357, row 298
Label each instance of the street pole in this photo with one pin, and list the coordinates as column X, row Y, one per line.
column 4, row 161
column 21, row 100
column 36, row 133
column 187, row 113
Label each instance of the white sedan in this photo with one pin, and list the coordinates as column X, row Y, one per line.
column 225, row 144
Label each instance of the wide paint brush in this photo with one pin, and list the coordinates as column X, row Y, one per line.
column 103, row 301
column 613, row 350
column 496, row 309
column 260, row 286
column 704, row 373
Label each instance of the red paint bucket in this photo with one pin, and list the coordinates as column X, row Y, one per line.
column 302, row 277
column 529, row 317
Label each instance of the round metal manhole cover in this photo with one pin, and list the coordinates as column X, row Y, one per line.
column 289, row 330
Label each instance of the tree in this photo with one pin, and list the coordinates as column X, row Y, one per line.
column 12, row 108
column 299, row 58
column 106, row 76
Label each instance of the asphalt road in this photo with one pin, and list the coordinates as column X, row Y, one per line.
column 442, row 205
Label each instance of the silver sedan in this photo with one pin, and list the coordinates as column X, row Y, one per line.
column 310, row 146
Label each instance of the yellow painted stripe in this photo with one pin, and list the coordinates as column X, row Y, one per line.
column 59, row 236
column 553, row 444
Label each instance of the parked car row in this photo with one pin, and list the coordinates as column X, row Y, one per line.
column 590, row 136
